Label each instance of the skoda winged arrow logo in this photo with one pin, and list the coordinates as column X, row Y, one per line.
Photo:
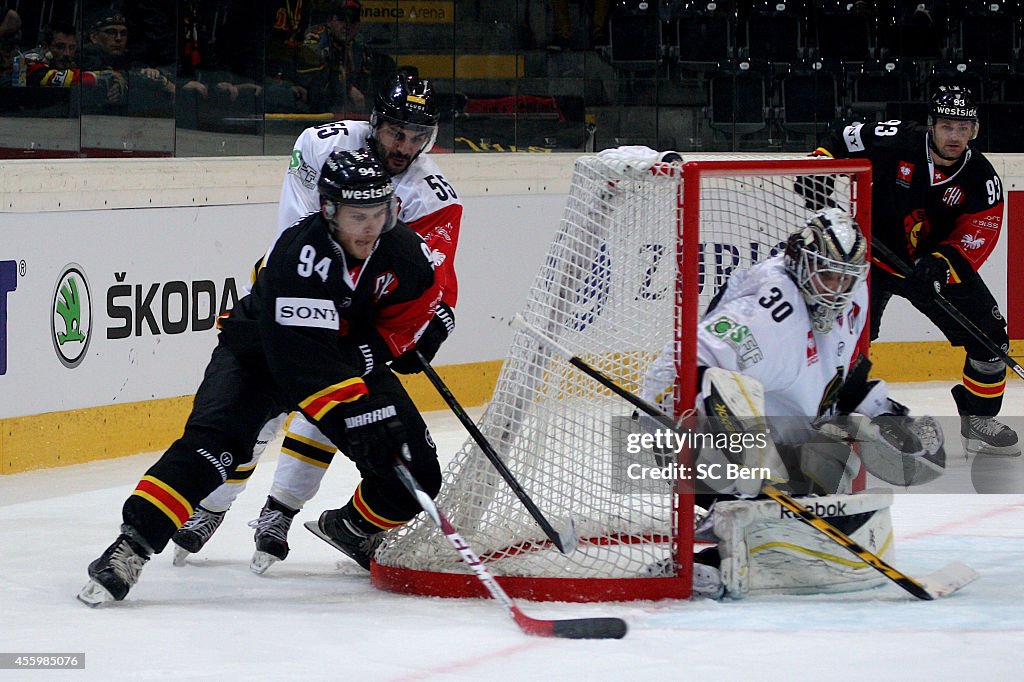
column 71, row 312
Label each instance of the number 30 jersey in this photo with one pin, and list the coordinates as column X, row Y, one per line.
column 761, row 328
column 426, row 200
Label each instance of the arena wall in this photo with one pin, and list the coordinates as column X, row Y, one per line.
column 164, row 245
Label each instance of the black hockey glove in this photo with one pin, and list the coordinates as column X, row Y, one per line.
column 436, row 333
column 928, row 278
column 375, row 434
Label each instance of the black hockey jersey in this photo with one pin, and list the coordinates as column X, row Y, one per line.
column 320, row 323
column 918, row 207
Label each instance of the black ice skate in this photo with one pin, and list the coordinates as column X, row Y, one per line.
column 191, row 537
column 987, row 436
column 334, row 529
column 116, row 570
column 271, row 535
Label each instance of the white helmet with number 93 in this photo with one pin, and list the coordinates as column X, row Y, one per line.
column 827, row 259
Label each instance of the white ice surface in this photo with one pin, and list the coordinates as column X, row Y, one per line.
column 316, row 617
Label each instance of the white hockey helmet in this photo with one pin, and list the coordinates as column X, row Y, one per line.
column 827, row 259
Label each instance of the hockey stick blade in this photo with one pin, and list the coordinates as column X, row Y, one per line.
column 565, row 540
column 946, row 581
column 580, row 628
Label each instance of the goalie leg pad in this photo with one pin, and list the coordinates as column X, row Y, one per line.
column 765, row 549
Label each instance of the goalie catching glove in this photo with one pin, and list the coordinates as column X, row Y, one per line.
column 894, row 446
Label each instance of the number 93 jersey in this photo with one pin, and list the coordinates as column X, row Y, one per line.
column 761, row 328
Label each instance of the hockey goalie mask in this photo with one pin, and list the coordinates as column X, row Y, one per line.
column 828, row 261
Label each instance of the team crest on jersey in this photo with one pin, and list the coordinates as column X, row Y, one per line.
column 953, row 196
column 441, row 231
column 972, row 242
column 385, row 283
column 905, row 174
column 812, row 349
column 916, row 227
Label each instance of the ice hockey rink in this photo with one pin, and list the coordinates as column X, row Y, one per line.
column 315, row 616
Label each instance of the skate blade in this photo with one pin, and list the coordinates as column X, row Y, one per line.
column 314, row 528
column 180, row 555
column 261, row 561
column 94, row 594
column 990, row 450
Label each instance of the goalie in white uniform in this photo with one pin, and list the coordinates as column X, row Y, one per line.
column 401, row 130
column 783, row 337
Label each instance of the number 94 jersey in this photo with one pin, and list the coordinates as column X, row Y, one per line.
column 761, row 328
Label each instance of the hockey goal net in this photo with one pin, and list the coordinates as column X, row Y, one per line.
column 637, row 258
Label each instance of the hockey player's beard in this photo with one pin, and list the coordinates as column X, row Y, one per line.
column 938, row 152
column 396, row 162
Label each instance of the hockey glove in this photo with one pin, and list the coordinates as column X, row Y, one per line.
column 930, row 275
column 436, row 333
column 375, row 435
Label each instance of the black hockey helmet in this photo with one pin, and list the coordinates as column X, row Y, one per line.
column 355, row 178
column 407, row 101
column 953, row 101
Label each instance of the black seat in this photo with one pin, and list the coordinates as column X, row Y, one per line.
column 988, row 32
column 635, row 31
column 1002, row 127
column 705, row 31
column 843, row 31
column 876, row 83
column 738, row 97
column 774, row 32
column 809, row 96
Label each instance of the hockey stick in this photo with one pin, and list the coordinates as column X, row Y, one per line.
column 951, row 310
column 578, row 628
column 939, row 584
column 565, row 541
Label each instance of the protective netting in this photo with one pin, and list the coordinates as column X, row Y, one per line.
column 611, row 290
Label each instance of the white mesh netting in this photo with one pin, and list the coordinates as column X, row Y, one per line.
column 609, row 290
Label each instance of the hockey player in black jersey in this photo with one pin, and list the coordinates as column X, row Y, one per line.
column 938, row 204
column 341, row 293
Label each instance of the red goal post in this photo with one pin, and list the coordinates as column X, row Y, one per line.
column 636, row 260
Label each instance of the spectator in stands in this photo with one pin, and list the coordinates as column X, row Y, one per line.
column 348, row 68
column 10, row 26
column 53, row 64
column 107, row 49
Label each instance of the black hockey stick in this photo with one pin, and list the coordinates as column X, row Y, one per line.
column 565, row 541
column 939, row 584
column 578, row 628
column 905, row 270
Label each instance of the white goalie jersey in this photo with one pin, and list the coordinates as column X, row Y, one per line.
column 760, row 327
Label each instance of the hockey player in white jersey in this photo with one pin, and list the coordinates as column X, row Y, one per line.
column 786, row 332
column 402, row 129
